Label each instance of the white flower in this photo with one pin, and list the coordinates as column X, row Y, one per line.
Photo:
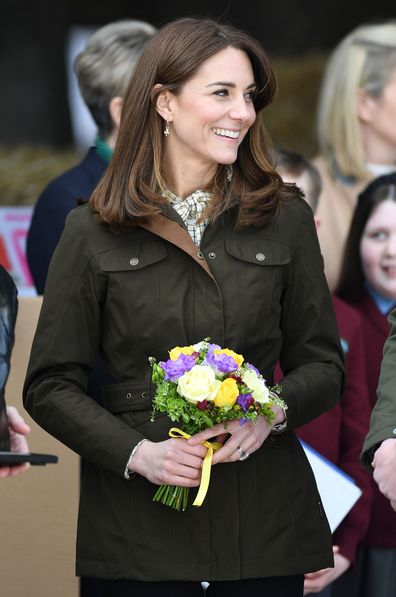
column 198, row 384
column 257, row 385
column 197, row 347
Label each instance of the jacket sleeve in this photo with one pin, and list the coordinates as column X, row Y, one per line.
column 355, row 416
column 311, row 357
column 63, row 353
column 383, row 417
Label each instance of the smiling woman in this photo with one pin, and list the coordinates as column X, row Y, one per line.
column 191, row 233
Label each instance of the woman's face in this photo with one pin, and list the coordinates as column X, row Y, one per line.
column 381, row 144
column 213, row 112
column 378, row 249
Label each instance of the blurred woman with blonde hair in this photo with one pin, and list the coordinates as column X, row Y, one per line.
column 356, row 129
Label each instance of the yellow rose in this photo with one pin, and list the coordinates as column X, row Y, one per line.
column 178, row 350
column 198, row 384
column 238, row 358
column 228, row 393
column 257, row 385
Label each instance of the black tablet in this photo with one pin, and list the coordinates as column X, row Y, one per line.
column 10, row 458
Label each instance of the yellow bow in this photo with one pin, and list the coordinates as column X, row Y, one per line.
column 206, row 465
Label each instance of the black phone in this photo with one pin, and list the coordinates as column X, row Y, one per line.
column 11, row 458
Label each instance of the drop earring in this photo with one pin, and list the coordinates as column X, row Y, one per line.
column 167, row 129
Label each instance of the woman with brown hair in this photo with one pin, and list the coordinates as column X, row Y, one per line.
column 191, row 233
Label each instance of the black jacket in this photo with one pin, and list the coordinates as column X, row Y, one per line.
column 8, row 313
column 260, row 291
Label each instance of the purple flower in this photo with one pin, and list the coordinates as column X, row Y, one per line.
column 223, row 363
column 245, row 400
column 250, row 366
column 175, row 369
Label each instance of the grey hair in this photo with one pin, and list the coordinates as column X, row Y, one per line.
column 365, row 59
column 105, row 66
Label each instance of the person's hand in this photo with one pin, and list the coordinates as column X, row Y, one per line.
column 171, row 462
column 384, row 464
column 248, row 437
column 317, row 581
column 18, row 429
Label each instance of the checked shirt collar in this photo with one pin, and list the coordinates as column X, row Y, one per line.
column 191, row 210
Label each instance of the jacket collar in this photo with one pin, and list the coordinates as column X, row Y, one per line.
column 169, row 226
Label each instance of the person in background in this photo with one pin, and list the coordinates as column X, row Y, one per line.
column 337, row 434
column 103, row 70
column 356, row 130
column 190, row 233
column 368, row 283
column 13, row 428
column 379, row 450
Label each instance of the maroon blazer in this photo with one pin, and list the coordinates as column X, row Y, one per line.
column 382, row 528
column 338, row 434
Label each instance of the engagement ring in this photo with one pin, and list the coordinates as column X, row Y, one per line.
column 242, row 454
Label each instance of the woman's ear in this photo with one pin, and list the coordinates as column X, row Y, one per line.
column 163, row 102
column 115, row 107
column 366, row 105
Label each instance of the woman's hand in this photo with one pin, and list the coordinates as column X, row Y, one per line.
column 17, row 429
column 171, row 462
column 248, row 437
column 317, row 581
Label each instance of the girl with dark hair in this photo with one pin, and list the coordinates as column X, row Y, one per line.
column 191, row 233
column 368, row 282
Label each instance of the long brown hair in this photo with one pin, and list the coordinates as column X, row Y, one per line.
column 130, row 189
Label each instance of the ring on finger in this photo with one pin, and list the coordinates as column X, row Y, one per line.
column 242, row 454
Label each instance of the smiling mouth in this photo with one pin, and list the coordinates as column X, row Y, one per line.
column 227, row 133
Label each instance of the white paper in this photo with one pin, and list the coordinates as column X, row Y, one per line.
column 338, row 490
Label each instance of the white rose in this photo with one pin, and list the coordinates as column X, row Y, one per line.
column 257, row 385
column 198, row 384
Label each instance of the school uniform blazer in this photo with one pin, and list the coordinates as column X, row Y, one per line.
column 53, row 205
column 338, row 434
column 382, row 528
column 260, row 291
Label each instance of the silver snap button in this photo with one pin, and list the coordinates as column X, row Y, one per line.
column 394, row 431
column 212, row 255
column 134, row 261
column 129, row 395
column 260, row 256
column 143, row 394
column 199, row 255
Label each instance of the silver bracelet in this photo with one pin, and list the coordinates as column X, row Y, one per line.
column 129, row 474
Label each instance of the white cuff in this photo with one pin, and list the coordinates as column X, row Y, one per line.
column 127, row 473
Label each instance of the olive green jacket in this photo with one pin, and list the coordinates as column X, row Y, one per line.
column 383, row 417
column 139, row 292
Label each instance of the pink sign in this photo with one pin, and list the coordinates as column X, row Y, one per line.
column 14, row 226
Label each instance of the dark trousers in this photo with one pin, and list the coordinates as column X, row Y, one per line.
column 280, row 586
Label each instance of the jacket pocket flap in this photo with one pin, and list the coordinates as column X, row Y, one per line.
column 133, row 256
column 260, row 251
column 127, row 396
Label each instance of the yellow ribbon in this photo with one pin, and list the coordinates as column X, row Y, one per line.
column 206, row 465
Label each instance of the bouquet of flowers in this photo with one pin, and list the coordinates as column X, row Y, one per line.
column 199, row 386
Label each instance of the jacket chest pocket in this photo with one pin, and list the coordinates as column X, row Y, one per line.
column 256, row 270
column 259, row 263
column 133, row 257
column 134, row 285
